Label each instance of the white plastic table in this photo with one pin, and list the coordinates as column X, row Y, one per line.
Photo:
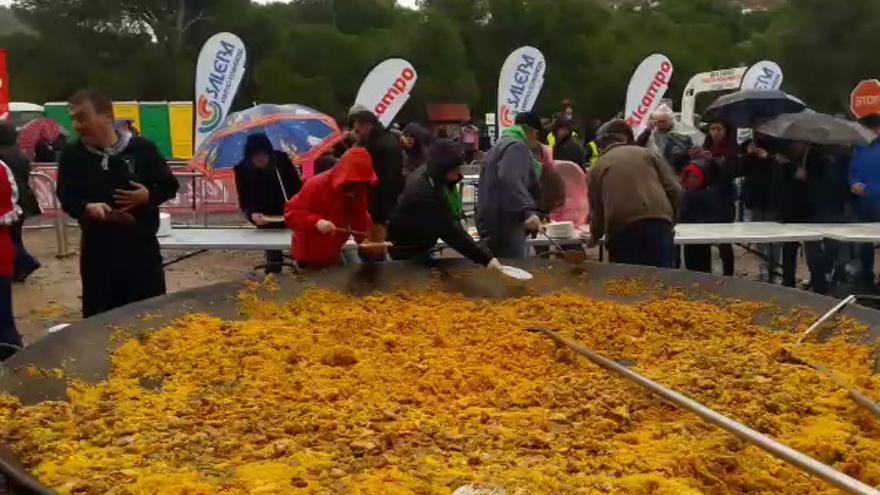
column 233, row 239
column 845, row 232
column 249, row 239
column 747, row 233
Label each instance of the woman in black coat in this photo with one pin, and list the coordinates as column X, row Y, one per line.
column 430, row 209
column 265, row 180
column 722, row 150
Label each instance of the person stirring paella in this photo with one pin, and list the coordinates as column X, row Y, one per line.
column 331, row 207
column 430, row 208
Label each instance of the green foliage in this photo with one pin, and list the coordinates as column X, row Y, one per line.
column 316, row 52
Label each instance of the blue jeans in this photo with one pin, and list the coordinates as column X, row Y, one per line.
column 867, row 210
column 646, row 242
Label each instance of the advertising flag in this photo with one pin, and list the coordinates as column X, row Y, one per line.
column 4, row 86
column 646, row 88
column 519, row 84
column 387, row 88
column 762, row 76
column 219, row 71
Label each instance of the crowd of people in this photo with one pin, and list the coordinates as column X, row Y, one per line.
column 396, row 192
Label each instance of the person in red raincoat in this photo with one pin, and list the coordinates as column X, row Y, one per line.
column 10, row 340
column 329, row 207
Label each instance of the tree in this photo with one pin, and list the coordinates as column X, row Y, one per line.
column 825, row 50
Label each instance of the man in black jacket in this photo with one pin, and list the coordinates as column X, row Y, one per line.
column 430, row 208
column 265, row 180
column 384, row 149
column 568, row 148
column 113, row 184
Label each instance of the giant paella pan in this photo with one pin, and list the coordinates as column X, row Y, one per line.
column 394, row 379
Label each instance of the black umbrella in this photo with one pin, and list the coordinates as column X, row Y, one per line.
column 740, row 109
column 817, row 128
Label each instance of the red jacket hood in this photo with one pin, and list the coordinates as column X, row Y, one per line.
column 694, row 169
column 354, row 166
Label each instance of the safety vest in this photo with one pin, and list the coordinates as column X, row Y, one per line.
column 594, row 150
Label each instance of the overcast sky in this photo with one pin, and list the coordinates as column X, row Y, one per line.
column 407, row 3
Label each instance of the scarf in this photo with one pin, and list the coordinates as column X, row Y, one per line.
column 517, row 132
column 453, row 196
column 122, row 141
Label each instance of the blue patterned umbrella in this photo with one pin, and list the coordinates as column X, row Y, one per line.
column 301, row 132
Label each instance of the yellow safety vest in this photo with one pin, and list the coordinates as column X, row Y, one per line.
column 594, row 148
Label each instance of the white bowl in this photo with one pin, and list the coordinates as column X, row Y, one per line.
column 560, row 230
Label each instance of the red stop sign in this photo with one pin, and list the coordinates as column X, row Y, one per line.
column 865, row 98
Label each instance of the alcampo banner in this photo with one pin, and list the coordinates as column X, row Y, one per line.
column 646, row 88
column 219, row 71
column 387, row 88
column 520, row 83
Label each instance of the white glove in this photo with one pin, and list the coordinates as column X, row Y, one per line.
column 533, row 224
column 494, row 264
column 325, row 226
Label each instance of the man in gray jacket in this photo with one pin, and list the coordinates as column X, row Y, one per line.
column 507, row 210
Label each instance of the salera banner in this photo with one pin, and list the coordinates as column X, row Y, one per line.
column 387, row 88
column 764, row 75
column 219, row 71
column 520, row 83
column 646, row 88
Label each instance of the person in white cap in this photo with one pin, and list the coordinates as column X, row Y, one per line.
column 664, row 138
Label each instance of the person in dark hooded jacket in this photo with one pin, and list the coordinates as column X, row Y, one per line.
column 700, row 204
column 265, row 180
column 414, row 141
column 387, row 159
column 567, row 147
column 430, row 208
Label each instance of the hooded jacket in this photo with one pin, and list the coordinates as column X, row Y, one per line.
column 509, row 187
column 418, row 154
column 323, row 197
column 700, row 204
column 426, row 210
column 265, row 190
column 387, row 160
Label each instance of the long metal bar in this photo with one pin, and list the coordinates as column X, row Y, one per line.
column 833, row 311
column 787, row 454
column 854, row 393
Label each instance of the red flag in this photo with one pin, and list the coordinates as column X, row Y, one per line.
column 4, row 86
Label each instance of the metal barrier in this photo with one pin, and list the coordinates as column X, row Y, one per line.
column 46, row 189
column 60, row 217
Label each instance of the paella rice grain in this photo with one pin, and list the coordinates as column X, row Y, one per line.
column 424, row 392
